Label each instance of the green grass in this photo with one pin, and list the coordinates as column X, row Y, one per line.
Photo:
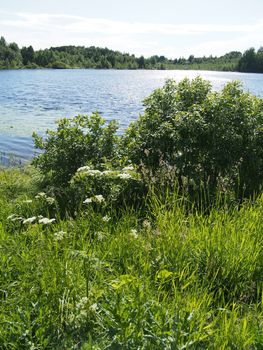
column 180, row 281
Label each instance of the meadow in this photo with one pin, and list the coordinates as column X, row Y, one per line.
column 173, row 279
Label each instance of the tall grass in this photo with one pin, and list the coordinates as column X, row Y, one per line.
column 171, row 279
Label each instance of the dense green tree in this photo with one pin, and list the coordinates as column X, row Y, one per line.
column 247, row 62
column 28, row 55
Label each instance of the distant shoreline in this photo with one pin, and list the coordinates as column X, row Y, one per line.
column 126, row 69
column 80, row 57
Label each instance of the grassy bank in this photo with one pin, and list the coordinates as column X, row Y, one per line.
column 161, row 279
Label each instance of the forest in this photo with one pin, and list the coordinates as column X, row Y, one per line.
column 13, row 57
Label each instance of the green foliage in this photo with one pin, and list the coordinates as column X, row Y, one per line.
column 77, row 141
column 28, row 55
column 175, row 279
column 251, row 61
column 212, row 140
column 10, row 55
column 102, row 58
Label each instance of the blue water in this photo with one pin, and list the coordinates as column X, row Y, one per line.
column 32, row 100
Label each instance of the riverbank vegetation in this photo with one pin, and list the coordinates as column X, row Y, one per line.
column 11, row 56
column 147, row 240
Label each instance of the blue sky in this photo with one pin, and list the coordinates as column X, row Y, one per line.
column 164, row 27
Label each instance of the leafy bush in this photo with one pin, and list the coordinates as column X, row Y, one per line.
column 211, row 139
column 76, row 141
column 202, row 141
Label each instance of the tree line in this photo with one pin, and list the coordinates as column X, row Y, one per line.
column 12, row 57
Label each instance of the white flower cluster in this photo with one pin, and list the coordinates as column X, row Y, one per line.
column 128, row 168
column 134, row 233
column 94, row 172
column 43, row 196
column 46, row 221
column 97, row 199
column 59, row 236
column 14, row 217
column 30, row 220
column 83, row 168
column 33, row 219
column 106, row 218
column 40, row 195
column 124, row 176
column 87, row 201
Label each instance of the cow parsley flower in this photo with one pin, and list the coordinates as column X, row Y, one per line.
column 93, row 172
column 124, row 176
column 128, row 168
column 99, row 198
column 58, row 236
column 46, row 221
column 50, row 200
column 87, row 200
column 30, row 220
column 106, row 218
column 83, row 168
column 40, row 195
column 134, row 233
column 11, row 216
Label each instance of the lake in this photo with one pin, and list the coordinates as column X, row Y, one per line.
column 32, row 100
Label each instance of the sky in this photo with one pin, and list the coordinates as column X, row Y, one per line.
column 142, row 27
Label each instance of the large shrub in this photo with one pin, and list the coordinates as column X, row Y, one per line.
column 77, row 141
column 210, row 139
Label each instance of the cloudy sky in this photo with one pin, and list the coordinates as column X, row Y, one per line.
column 165, row 27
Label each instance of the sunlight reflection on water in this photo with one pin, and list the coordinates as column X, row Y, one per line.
column 32, row 100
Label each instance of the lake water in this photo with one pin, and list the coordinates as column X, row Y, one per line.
column 32, row 100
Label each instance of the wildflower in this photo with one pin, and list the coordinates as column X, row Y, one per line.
column 101, row 236
column 124, row 176
column 108, row 172
column 46, row 221
column 28, row 201
column 83, row 168
column 93, row 307
column 30, row 220
column 11, row 216
column 93, row 172
column 17, row 218
column 82, row 303
column 128, row 168
column 106, row 218
column 99, row 198
column 134, row 233
column 50, row 200
column 58, row 236
column 40, row 195
column 14, row 217
column 87, row 200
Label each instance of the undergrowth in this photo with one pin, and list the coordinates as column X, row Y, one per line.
column 164, row 278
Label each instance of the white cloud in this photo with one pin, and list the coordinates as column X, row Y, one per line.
column 44, row 30
column 78, row 24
